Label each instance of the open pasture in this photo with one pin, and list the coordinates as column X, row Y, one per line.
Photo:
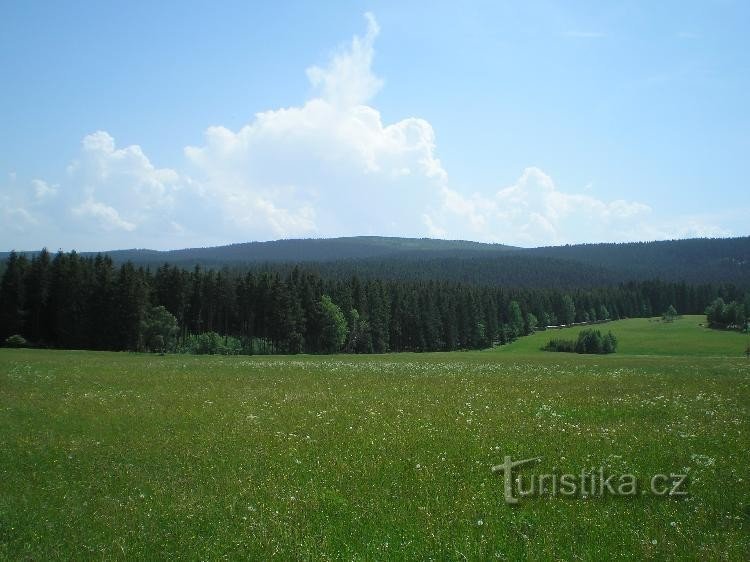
column 686, row 336
column 124, row 456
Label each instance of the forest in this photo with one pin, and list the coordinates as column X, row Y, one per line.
column 694, row 261
column 76, row 302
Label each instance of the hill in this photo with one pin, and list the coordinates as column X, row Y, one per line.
column 697, row 260
column 302, row 250
column 692, row 261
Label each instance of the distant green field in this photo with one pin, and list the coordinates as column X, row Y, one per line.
column 686, row 336
column 133, row 456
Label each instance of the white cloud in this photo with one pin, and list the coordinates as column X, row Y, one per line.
column 534, row 211
column 17, row 219
column 112, row 197
column 16, row 216
column 123, row 176
column 107, row 217
column 347, row 80
column 43, row 190
column 330, row 166
column 681, row 227
column 118, row 189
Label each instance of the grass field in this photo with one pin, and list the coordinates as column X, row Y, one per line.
column 132, row 456
column 686, row 336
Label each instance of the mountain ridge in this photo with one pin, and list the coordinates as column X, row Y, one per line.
column 388, row 245
column 694, row 260
column 284, row 249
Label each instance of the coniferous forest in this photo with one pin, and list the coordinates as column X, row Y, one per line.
column 70, row 301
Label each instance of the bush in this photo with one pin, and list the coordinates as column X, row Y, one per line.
column 610, row 343
column 567, row 346
column 589, row 342
column 211, row 343
column 16, row 340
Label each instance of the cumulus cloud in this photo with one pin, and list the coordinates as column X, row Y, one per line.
column 329, row 166
column 121, row 177
column 348, row 80
column 535, row 211
column 107, row 217
column 118, row 189
column 108, row 192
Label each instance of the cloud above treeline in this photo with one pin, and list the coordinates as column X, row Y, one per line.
column 328, row 167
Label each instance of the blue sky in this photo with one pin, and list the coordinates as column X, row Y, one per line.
column 165, row 125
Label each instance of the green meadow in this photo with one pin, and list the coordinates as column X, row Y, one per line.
column 120, row 456
column 686, row 336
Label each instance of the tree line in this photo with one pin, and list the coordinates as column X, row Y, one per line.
column 69, row 301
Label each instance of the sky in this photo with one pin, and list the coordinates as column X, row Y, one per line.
column 181, row 124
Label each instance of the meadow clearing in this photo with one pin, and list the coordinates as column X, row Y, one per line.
column 125, row 456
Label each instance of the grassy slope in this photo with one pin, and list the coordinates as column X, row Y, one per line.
column 128, row 456
column 649, row 336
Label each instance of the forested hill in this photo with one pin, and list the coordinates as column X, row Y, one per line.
column 303, row 250
column 586, row 265
column 698, row 259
